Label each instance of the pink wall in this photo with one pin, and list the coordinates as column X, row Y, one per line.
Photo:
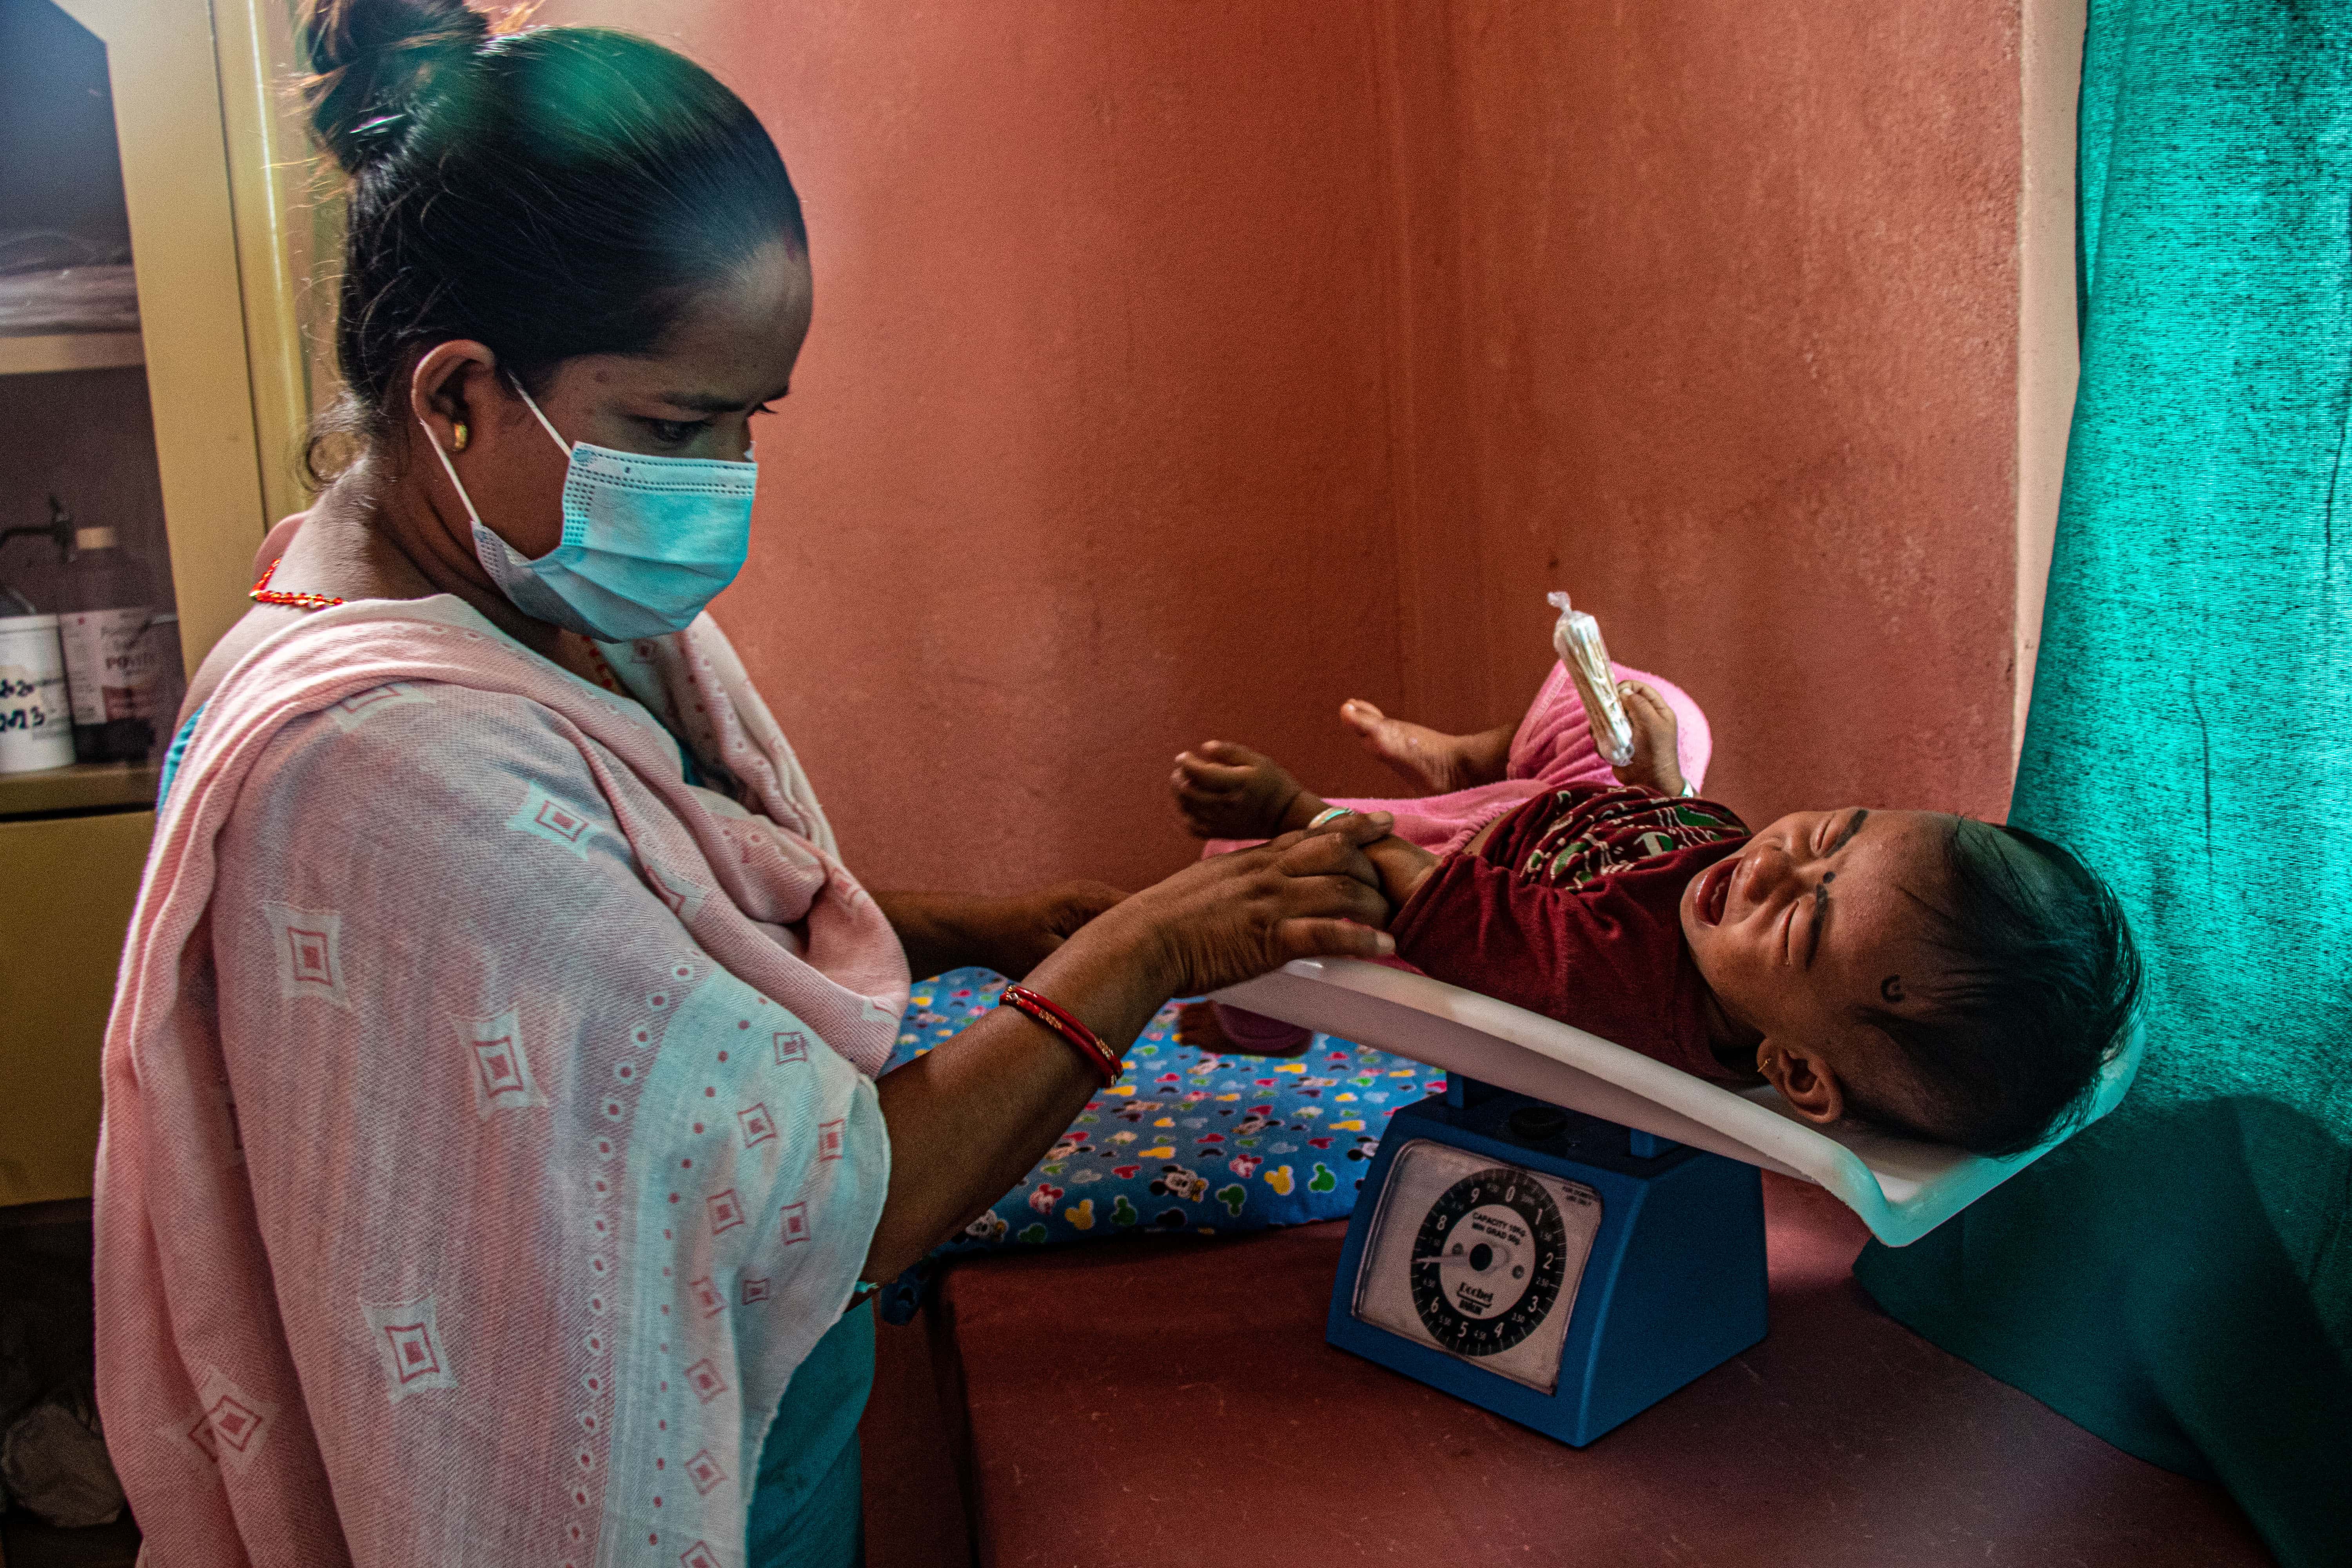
column 1180, row 370
column 1742, row 290
column 1087, row 458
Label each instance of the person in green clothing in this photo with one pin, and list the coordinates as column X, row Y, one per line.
column 381, row 1280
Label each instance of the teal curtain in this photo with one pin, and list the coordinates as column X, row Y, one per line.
column 2179, row 1278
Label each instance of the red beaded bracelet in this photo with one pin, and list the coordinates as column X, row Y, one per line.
column 1044, row 1010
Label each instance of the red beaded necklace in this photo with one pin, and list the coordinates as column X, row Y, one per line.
column 263, row 594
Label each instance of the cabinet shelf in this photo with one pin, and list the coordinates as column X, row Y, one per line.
column 69, row 351
column 84, row 787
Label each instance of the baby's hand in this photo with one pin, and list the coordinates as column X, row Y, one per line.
column 1654, row 764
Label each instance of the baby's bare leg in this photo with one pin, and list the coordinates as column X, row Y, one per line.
column 1434, row 762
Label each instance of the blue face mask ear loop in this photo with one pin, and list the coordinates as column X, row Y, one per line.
column 472, row 515
column 561, row 444
column 450, row 469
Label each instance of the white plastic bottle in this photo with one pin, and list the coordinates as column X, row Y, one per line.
column 104, row 617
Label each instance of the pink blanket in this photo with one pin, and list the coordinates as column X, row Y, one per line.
column 1552, row 749
column 490, row 1130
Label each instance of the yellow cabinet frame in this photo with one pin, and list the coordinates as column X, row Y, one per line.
column 215, row 177
column 55, row 998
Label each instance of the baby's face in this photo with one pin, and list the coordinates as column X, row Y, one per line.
column 1817, row 917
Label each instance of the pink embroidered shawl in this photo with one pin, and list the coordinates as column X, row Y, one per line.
column 489, row 1126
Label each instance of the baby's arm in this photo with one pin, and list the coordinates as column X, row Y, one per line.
column 1403, row 866
column 1231, row 792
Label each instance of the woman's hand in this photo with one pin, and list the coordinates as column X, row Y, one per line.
column 1234, row 917
column 967, row 1118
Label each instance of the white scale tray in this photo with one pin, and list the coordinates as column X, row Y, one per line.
column 1901, row 1187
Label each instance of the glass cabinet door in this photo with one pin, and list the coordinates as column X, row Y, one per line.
column 153, row 389
column 91, row 659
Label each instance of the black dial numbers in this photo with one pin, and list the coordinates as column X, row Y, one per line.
column 1488, row 1262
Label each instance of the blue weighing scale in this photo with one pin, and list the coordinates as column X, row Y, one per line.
column 1573, row 1231
column 1561, row 1270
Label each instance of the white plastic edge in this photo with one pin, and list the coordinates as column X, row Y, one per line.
column 1902, row 1188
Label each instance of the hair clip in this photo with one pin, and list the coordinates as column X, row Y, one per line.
column 382, row 128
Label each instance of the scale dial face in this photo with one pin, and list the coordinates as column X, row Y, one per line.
column 1477, row 1259
column 1486, row 1265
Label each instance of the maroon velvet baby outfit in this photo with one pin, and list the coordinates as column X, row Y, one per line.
column 1571, row 909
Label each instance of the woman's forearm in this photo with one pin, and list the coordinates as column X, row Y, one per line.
column 1011, row 935
column 967, row 1121
column 936, row 929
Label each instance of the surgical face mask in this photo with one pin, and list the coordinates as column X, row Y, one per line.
column 647, row 542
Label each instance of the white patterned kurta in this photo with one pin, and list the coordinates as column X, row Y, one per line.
column 489, row 1125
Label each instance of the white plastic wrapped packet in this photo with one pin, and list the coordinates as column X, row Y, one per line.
column 1577, row 639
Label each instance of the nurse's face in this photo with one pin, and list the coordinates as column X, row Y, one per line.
column 726, row 360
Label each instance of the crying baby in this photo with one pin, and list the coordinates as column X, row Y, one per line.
column 1928, row 974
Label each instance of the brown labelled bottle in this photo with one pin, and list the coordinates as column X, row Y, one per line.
column 105, row 613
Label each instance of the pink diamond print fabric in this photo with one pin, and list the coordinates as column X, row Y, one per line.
column 482, row 1151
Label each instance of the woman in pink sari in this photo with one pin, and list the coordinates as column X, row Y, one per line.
column 493, row 1145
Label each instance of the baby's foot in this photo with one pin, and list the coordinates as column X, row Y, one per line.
column 1433, row 763
column 1231, row 792
column 1201, row 1027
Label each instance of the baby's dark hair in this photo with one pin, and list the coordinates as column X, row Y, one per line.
column 2043, row 989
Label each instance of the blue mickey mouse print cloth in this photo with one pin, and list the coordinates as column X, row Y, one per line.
column 1186, row 1140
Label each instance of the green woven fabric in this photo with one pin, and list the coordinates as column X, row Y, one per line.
column 2179, row 1278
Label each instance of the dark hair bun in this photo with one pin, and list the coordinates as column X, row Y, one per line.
column 371, row 61
column 546, row 192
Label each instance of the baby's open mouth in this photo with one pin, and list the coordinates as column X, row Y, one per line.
column 1714, row 891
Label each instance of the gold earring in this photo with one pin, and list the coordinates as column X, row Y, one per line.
column 461, row 434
